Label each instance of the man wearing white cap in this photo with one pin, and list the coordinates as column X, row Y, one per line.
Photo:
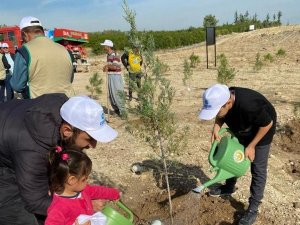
column 4, row 75
column 115, row 80
column 9, row 58
column 43, row 65
column 29, row 130
column 252, row 119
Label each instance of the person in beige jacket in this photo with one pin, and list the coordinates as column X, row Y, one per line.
column 41, row 65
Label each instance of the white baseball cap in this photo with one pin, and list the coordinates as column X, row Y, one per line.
column 4, row 45
column 29, row 21
column 213, row 99
column 87, row 115
column 108, row 43
column 0, row 45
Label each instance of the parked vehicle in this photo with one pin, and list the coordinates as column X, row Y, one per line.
column 70, row 39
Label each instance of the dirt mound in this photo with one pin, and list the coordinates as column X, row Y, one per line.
column 288, row 138
column 195, row 209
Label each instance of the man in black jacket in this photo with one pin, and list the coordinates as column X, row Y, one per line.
column 29, row 129
column 4, row 68
column 252, row 119
column 9, row 58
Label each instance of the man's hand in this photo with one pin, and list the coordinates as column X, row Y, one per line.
column 250, row 153
column 215, row 133
column 98, row 204
column 105, row 68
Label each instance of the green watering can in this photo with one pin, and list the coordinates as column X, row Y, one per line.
column 116, row 218
column 227, row 159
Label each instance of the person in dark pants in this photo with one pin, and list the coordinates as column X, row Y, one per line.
column 4, row 70
column 132, row 61
column 9, row 58
column 29, row 130
column 252, row 119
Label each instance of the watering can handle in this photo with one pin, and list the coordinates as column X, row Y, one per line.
column 224, row 130
column 123, row 207
column 212, row 152
column 215, row 144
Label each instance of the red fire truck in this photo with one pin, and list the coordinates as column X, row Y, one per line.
column 71, row 39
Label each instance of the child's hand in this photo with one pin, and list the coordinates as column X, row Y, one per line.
column 120, row 195
column 86, row 223
column 98, row 204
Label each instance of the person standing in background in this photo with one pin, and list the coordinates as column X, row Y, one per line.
column 9, row 71
column 4, row 66
column 41, row 65
column 132, row 61
column 115, row 80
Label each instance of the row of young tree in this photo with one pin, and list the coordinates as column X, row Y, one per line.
column 185, row 37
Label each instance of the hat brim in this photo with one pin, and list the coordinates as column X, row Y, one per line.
column 105, row 134
column 206, row 114
column 103, row 44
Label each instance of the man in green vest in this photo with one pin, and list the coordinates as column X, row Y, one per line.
column 41, row 65
column 133, row 60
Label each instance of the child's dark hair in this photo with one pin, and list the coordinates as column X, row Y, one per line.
column 64, row 163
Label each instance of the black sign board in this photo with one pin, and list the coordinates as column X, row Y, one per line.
column 210, row 35
column 211, row 40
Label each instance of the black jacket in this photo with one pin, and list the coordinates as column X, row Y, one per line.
column 28, row 130
column 5, row 63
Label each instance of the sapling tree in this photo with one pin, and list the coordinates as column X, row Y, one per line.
column 225, row 73
column 187, row 74
column 258, row 63
column 95, row 87
column 195, row 60
column 188, row 66
column 157, row 123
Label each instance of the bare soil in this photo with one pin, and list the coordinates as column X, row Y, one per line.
column 145, row 193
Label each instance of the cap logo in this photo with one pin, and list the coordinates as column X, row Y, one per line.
column 238, row 156
column 35, row 21
column 102, row 119
column 206, row 104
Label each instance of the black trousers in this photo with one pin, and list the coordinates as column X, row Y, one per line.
column 259, row 176
column 12, row 207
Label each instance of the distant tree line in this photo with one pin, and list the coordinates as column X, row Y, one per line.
column 185, row 37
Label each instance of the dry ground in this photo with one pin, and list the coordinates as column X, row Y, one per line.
column 279, row 81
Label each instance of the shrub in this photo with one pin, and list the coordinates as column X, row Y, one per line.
column 258, row 63
column 280, row 52
column 225, row 73
column 268, row 57
column 195, row 60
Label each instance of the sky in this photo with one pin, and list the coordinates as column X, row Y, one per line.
column 99, row 15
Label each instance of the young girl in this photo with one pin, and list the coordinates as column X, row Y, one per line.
column 72, row 196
